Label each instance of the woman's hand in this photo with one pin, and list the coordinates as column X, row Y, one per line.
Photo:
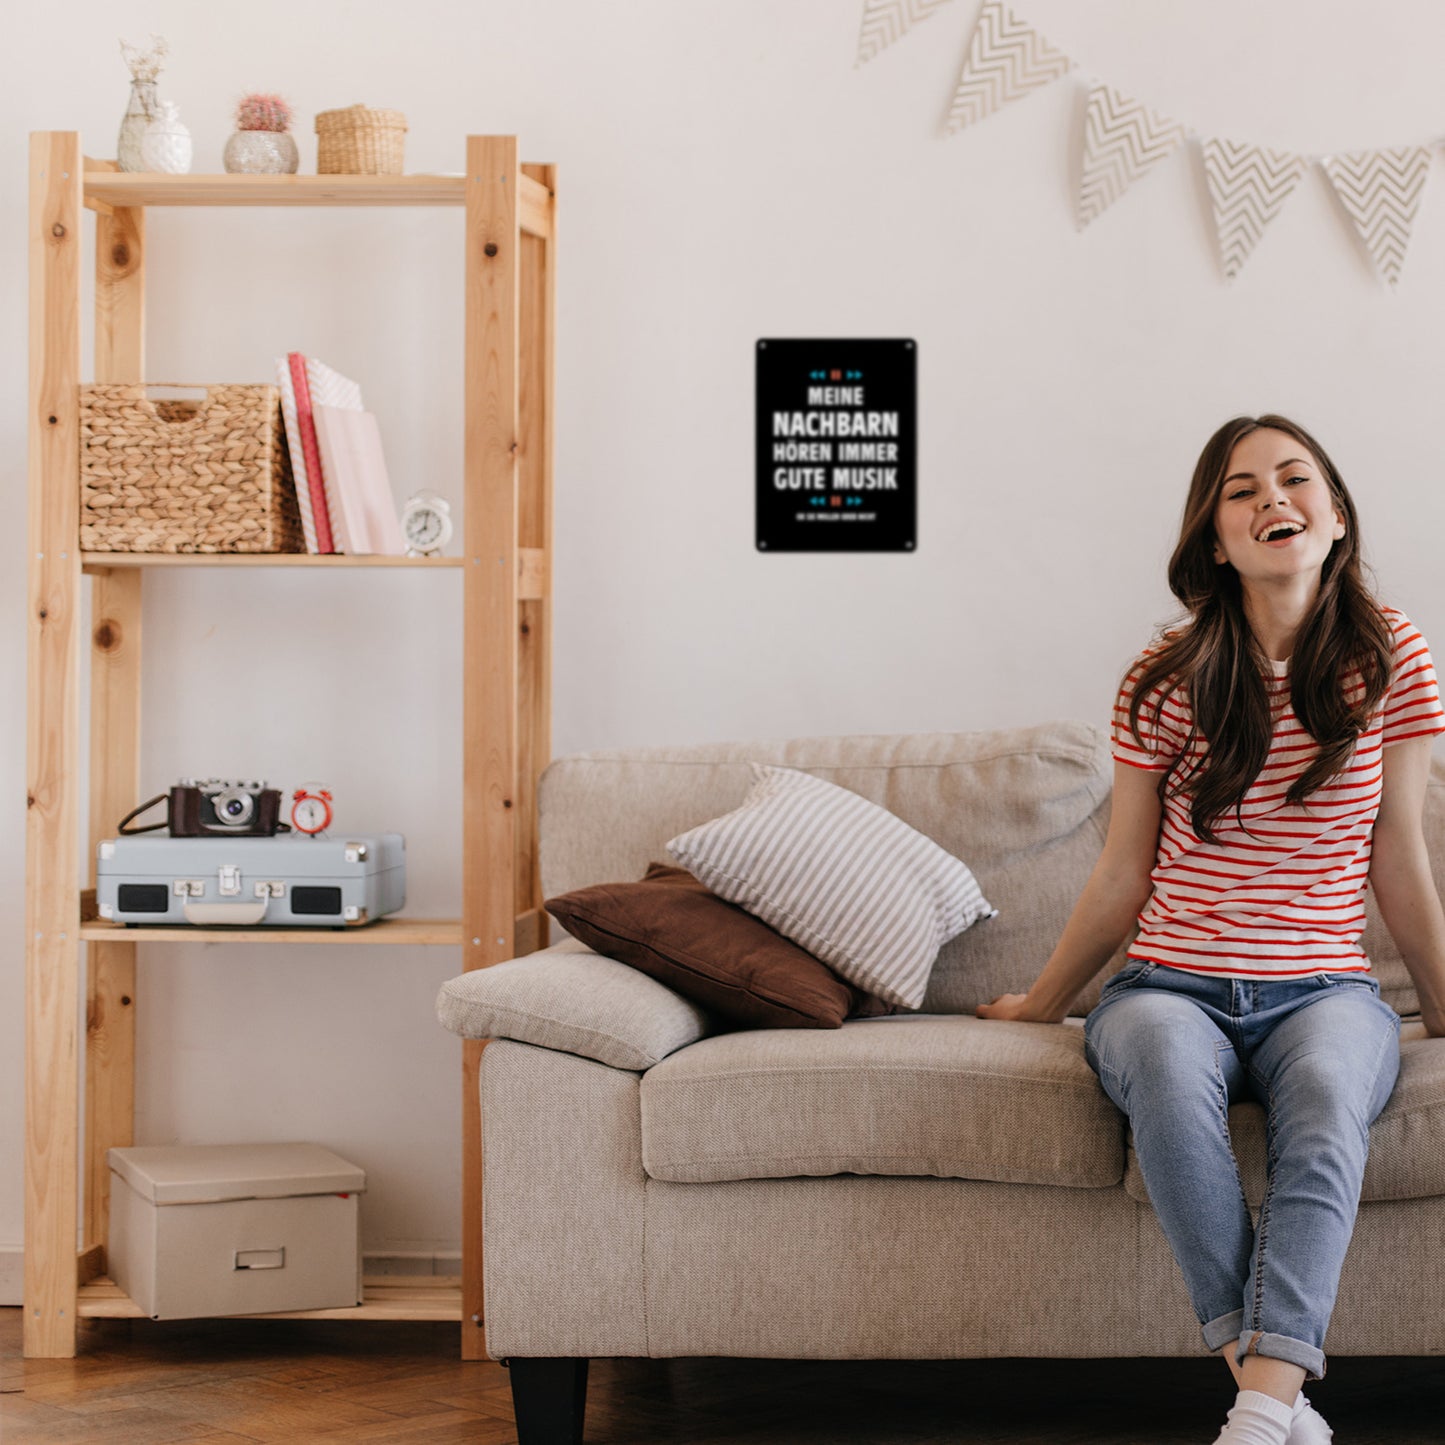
column 1012, row 1006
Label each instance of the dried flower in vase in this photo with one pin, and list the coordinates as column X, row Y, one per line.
column 259, row 111
column 144, row 64
column 143, row 107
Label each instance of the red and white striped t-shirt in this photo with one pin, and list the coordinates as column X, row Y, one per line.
column 1286, row 899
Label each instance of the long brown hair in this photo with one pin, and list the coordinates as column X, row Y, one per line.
column 1219, row 663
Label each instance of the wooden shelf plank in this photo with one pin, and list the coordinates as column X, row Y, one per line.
column 386, row 1297
column 532, row 568
column 385, row 930
column 146, row 188
column 143, row 188
column 93, row 561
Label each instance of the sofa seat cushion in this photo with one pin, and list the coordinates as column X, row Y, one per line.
column 952, row 1097
column 1407, row 1141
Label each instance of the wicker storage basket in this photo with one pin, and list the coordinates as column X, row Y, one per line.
column 186, row 476
column 359, row 142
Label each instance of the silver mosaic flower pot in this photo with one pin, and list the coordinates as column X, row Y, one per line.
column 261, row 153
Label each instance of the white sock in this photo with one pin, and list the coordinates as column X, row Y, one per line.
column 1257, row 1419
column 1308, row 1426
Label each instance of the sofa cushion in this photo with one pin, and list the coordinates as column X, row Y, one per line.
column 951, row 1097
column 575, row 1001
column 674, row 929
column 1407, row 1141
column 840, row 876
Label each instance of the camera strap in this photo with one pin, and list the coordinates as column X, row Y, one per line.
column 144, row 807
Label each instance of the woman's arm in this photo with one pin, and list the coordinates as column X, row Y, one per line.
column 1112, row 898
column 1400, row 875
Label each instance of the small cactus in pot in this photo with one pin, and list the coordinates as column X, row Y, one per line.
column 262, row 143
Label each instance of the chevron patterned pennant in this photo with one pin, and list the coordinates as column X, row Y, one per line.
column 1381, row 190
column 1006, row 59
column 1122, row 140
column 1248, row 186
column 885, row 21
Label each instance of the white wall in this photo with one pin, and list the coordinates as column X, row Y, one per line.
column 726, row 174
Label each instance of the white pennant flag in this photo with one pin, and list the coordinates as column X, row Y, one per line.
column 1007, row 58
column 1248, row 186
column 885, row 21
column 1122, row 140
column 1381, row 190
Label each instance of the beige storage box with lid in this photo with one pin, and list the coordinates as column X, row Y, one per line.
column 235, row 1229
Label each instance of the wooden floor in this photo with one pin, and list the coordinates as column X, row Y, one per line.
column 137, row 1382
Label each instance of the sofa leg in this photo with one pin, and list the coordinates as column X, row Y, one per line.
column 549, row 1397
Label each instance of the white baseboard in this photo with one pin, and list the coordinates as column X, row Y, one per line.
column 12, row 1274
column 12, row 1268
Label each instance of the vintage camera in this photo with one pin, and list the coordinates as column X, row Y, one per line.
column 218, row 806
column 215, row 806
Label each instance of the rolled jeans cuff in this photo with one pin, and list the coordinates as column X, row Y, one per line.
column 1224, row 1331
column 1282, row 1347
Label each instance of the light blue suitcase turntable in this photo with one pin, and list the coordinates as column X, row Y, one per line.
column 251, row 882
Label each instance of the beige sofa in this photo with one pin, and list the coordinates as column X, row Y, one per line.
column 928, row 1185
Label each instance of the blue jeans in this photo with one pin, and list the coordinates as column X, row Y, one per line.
column 1173, row 1050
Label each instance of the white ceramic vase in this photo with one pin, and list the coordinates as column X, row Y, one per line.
column 261, row 152
column 166, row 146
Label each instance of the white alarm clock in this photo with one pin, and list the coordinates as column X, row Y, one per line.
column 426, row 524
column 311, row 809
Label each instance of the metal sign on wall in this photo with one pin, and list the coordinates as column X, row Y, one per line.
column 837, row 446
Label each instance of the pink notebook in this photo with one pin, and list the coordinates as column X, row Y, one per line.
column 363, row 509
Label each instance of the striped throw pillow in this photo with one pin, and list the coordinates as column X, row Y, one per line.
column 840, row 876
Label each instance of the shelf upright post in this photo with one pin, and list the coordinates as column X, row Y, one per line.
column 115, row 637
column 489, row 704
column 52, row 890
column 538, row 293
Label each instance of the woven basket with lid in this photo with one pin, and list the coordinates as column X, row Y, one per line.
column 359, row 142
column 186, row 476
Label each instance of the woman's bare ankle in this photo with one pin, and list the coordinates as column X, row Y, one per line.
column 1269, row 1376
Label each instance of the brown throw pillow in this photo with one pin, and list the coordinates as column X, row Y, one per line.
column 670, row 927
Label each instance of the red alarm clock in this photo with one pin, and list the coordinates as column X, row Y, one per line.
column 311, row 809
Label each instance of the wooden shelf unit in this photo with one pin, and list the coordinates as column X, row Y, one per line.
column 509, row 290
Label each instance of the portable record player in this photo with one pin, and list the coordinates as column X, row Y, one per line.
column 249, row 881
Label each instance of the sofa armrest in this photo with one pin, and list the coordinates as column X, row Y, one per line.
column 573, row 1000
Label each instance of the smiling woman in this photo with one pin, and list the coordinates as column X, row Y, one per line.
column 1271, row 758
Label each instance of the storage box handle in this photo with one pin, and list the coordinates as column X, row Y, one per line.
column 260, row 1259
column 162, row 409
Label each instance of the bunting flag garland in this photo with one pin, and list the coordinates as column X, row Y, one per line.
column 1381, row 190
column 1122, row 140
column 1007, row 58
column 885, row 21
column 1248, row 186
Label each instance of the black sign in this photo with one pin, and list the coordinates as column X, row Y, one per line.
column 837, row 453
